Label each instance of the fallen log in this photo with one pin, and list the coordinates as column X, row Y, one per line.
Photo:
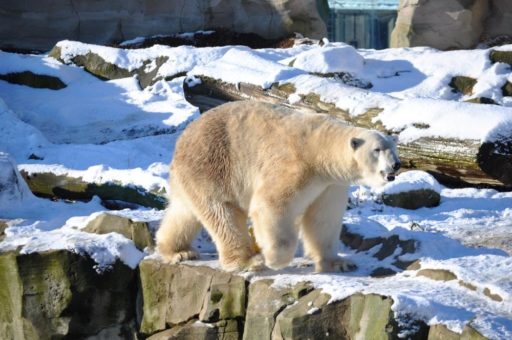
column 454, row 162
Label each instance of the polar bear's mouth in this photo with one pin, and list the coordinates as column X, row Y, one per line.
column 388, row 176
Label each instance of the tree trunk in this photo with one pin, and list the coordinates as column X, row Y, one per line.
column 454, row 162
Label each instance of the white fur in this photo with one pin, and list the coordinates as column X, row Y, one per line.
column 287, row 171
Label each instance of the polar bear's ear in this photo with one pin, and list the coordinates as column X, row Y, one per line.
column 355, row 143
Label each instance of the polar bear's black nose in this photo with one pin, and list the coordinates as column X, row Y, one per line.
column 396, row 166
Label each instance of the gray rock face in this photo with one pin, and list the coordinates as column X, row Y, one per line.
column 58, row 294
column 39, row 25
column 175, row 294
column 450, row 24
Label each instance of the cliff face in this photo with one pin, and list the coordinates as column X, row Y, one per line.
column 451, row 24
column 39, row 25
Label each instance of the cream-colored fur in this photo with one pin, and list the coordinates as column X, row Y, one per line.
column 283, row 169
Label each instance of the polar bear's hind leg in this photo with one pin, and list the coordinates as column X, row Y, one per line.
column 177, row 230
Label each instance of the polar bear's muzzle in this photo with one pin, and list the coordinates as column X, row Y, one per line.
column 390, row 176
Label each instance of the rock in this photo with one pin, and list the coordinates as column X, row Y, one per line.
column 494, row 297
column 462, row 84
column 58, row 294
column 507, row 89
column 481, row 100
column 174, row 294
column 413, row 199
column 147, row 74
column 301, row 312
column 138, row 232
column 47, row 184
column 14, row 192
column 195, row 330
column 39, row 81
column 449, row 24
column 94, row 64
column 467, row 285
column 265, row 303
column 469, row 333
column 388, row 247
column 437, row 274
column 313, row 318
column 382, row 272
column 441, row 332
column 499, row 19
column 39, row 26
column 501, row 57
column 97, row 66
column 3, row 226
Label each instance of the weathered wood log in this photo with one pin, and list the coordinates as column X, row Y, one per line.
column 454, row 162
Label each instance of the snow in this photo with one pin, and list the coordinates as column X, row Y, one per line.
column 409, row 181
column 327, row 59
column 241, row 65
column 114, row 131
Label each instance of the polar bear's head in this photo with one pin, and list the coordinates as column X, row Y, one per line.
column 376, row 158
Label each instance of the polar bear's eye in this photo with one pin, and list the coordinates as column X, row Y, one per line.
column 376, row 150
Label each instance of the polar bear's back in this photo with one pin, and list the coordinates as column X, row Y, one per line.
column 231, row 146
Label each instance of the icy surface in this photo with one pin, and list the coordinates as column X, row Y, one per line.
column 105, row 131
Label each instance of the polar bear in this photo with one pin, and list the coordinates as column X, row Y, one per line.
column 285, row 170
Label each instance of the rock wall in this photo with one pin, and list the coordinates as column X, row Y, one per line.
column 451, row 24
column 40, row 24
column 58, row 294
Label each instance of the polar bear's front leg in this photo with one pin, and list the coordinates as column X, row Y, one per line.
column 321, row 228
column 275, row 233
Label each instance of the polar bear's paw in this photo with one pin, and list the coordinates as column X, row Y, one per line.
column 180, row 256
column 256, row 263
column 335, row 266
column 252, row 264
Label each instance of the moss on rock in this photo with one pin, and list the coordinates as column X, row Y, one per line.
column 501, row 57
column 59, row 294
column 175, row 294
column 462, row 84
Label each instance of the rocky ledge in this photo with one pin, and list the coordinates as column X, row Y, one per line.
column 59, row 294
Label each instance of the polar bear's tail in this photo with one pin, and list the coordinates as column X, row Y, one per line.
column 176, row 233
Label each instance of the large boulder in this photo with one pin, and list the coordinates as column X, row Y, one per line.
column 39, row 25
column 450, row 24
column 175, row 294
column 59, row 294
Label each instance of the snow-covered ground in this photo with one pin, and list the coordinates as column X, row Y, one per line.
column 113, row 130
